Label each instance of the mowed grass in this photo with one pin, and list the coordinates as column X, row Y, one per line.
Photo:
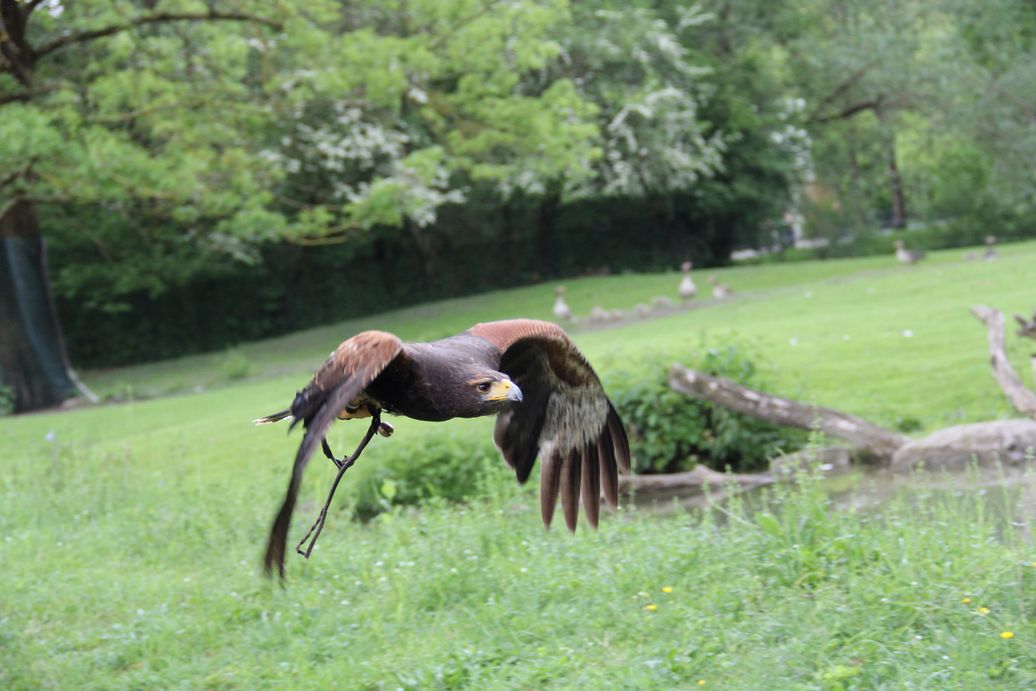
column 868, row 335
column 132, row 533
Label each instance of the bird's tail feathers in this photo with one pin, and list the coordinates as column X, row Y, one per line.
column 276, row 417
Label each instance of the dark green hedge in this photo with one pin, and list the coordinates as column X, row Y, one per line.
column 297, row 287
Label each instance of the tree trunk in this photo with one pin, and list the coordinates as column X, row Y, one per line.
column 899, row 211
column 855, row 177
column 33, row 361
column 782, row 411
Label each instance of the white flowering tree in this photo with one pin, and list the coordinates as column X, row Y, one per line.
column 631, row 62
column 182, row 134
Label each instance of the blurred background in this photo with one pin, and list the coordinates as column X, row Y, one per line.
column 199, row 199
column 208, row 173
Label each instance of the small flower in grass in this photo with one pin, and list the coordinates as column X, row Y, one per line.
column 983, row 611
column 667, row 588
column 651, row 608
column 701, row 682
column 965, row 600
column 1007, row 635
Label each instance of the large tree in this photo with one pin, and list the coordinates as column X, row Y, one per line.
column 172, row 135
column 118, row 106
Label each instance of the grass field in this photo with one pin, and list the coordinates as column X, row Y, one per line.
column 132, row 532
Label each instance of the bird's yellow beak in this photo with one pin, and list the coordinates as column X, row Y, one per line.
column 504, row 390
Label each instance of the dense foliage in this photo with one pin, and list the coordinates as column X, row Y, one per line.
column 673, row 432
column 175, row 149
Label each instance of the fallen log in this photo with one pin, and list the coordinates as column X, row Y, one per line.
column 1021, row 398
column 692, row 479
column 1002, row 441
column 782, row 411
column 825, row 458
column 1009, row 442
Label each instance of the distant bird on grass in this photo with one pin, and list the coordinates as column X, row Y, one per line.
column 907, row 256
column 661, row 303
column 720, row 291
column 990, row 252
column 548, row 401
column 687, row 288
column 561, row 308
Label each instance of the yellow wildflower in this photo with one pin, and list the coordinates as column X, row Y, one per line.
column 983, row 610
column 667, row 588
column 1007, row 635
column 701, row 682
column 651, row 608
column 965, row 601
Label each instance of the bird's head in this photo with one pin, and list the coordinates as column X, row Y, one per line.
column 491, row 392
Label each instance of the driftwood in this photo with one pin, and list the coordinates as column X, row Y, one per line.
column 692, row 479
column 1005, row 441
column 1021, row 398
column 1027, row 327
column 825, row 458
column 782, row 411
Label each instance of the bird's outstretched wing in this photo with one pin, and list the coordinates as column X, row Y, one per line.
column 565, row 418
column 343, row 377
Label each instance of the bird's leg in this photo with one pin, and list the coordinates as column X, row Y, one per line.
column 327, row 452
column 343, row 466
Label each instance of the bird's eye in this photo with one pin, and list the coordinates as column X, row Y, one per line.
column 484, row 387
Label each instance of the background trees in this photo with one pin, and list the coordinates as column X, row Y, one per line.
column 205, row 173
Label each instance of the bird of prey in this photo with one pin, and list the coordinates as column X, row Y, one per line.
column 548, row 401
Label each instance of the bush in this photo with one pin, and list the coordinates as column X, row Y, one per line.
column 7, row 398
column 670, row 432
column 452, row 465
column 235, row 365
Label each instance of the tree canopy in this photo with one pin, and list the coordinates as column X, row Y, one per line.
column 158, row 143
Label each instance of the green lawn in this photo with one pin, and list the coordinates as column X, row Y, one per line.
column 132, row 532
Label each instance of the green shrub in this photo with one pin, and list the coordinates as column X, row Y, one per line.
column 670, row 432
column 6, row 400
column 452, row 465
column 235, row 365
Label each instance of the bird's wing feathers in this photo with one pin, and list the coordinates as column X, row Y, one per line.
column 565, row 418
column 343, row 377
